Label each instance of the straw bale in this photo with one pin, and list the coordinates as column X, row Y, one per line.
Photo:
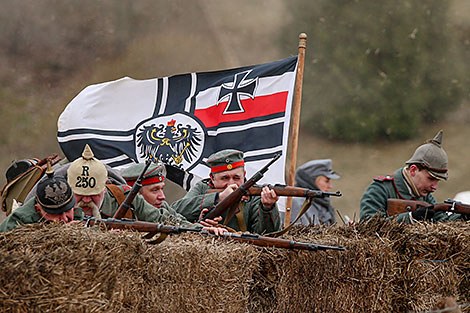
column 387, row 267
column 58, row 268
column 199, row 274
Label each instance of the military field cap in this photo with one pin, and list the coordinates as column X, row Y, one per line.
column 225, row 160
column 432, row 157
column 87, row 175
column 306, row 174
column 155, row 174
column 54, row 194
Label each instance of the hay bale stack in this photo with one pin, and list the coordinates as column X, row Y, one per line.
column 387, row 267
column 56, row 268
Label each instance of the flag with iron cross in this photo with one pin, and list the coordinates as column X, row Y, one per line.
column 182, row 119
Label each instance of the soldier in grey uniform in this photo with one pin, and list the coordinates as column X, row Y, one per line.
column 53, row 201
column 87, row 176
column 417, row 181
column 258, row 214
column 315, row 175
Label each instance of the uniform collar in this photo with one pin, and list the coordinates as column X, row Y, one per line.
column 410, row 184
column 401, row 185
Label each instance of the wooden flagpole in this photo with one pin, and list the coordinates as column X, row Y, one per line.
column 295, row 122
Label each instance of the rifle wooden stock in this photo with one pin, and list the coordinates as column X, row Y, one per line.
column 254, row 239
column 141, row 226
column 230, row 203
column 53, row 158
column 287, row 191
column 126, row 204
column 397, row 206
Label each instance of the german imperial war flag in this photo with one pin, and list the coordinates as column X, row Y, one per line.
column 183, row 119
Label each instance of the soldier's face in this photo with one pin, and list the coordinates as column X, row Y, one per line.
column 87, row 203
column 323, row 183
column 66, row 216
column 224, row 179
column 153, row 194
column 423, row 181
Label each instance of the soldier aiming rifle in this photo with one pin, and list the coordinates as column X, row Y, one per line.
column 257, row 214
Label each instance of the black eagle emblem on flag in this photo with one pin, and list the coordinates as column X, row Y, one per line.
column 169, row 143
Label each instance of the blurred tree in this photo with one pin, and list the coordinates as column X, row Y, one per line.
column 376, row 69
column 48, row 40
column 44, row 44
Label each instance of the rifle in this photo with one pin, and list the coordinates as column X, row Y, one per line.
column 19, row 168
column 287, row 191
column 154, row 228
column 126, row 204
column 230, row 203
column 397, row 206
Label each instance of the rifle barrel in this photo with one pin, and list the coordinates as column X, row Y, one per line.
column 126, row 204
column 397, row 206
column 287, row 191
column 254, row 239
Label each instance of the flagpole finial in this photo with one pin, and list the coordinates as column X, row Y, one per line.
column 302, row 40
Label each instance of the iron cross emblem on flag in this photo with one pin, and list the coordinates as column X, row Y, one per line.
column 235, row 90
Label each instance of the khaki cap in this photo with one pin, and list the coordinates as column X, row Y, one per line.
column 87, row 175
column 432, row 157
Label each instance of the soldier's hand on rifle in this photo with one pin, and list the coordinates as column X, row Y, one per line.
column 423, row 213
column 209, row 222
column 227, row 191
column 74, row 222
column 204, row 211
column 212, row 229
column 268, row 197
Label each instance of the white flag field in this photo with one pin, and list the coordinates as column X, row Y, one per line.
column 181, row 120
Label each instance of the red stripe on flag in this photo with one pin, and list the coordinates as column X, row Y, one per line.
column 259, row 106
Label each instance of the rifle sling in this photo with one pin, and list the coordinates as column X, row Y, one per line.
column 240, row 218
column 120, row 197
column 239, row 215
column 149, row 235
column 158, row 239
column 230, row 213
column 305, row 207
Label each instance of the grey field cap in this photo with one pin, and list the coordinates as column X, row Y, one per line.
column 433, row 157
column 305, row 175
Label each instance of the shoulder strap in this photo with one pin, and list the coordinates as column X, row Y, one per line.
column 120, row 197
column 383, row 178
column 305, row 207
column 240, row 218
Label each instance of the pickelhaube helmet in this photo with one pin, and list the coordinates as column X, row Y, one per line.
column 87, row 175
column 432, row 157
column 54, row 193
